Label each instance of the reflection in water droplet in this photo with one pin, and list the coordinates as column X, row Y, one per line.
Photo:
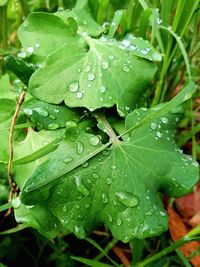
column 53, row 126
column 91, row 76
column 104, row 198
column 79, row 148
column 80, row 186
column 94, row 140
column 127, row 199
column 73, row 86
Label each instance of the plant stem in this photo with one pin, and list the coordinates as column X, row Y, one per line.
column 187, row 238
column 10, row 176
column 3, row 27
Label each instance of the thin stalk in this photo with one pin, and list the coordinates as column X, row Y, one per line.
column 6, row 206
column 25, row 7
column 193, row 134
column 3, row 28
column 105, row 251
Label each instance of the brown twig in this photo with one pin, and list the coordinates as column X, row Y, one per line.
column 120, row 254
column 10, row 176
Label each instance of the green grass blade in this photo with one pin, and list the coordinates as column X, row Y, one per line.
column 92, row 263
column 14, row 230
column 115, row 23
column 183, row 258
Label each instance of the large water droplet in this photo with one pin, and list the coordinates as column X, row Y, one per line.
column 79, row 148
column 42, row 112
column 91, row 76
column 153, row 125
column 73, row 86
column 79, row 231
column 127, row 199
column 159, row 134
column 104, row 198
column 94, row 140
column 164, row 120
column 53, row 126
column 28, row 111
column 80, row 186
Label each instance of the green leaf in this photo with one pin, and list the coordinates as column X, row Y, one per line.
column 33, row 143
column 108, row 73
column 7, row 109
column 48, row 116
column 120, row 186
column 92, row 263
column 42, row 33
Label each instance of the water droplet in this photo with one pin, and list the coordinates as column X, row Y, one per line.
column 68, row 160
column 159, row 21
column 16, row 202
column 30, row 49
column 94, row 140
column 56, row 110
column 80, row 186
column 162, row 213
column 145, row 51
column 113, row 167
column 87, row 68
column 37, row 45
column 164, row 120
column 85, row 164
column 104, row 65
column 133, row 47
column 153, row 125
column 70, row 124
column 65, row 208
column 28, row 111
column 110, row 219
column 42, row 112
column 91, row 76
column 80, row 217
column 126, row 42
column 102, row 89
column 101, row 99
column 104, row 198
column 79, row 231
column 96, row 176
column 109, row 180
column 52, row 117
column 195, row 164
column 159, row 134
column 119, row 222
column 79, row 148
column 125, row 68
column 127, row 199
column 22, row 54
column 111, row 57
column 53, row 126
column 87, row 206
column 79, row 95
column 73, row 86
column 147, row 197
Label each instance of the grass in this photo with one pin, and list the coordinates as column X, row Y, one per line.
column 173, row 27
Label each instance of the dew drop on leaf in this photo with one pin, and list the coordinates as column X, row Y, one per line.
column 87, row 68
column 133, row 47
column 70, row 124
column 73, row 86
column 53, row 126
column 94, row 140
column 80, row 186
column 91, row 76
column 87, row 206
column 110, row 219
column 158, row 134
column 119, row 222
column 79, row 231
column 113, row 167
column 125, row 68
column 68, row 160
column 65, row 208
column 126, row 42
column 28, row 111
column 104, row 198
column 111, row 57
column 16, row 202
column 42, row 112
column 153, row 125
column 85, row 164
column 104, row 65
column 52, row 117
column 102, row 89
column 127, row 199
column 164, row 120
column 96, row 176
column 79, row 148
column 30, row 49
column 108, row 180
column 79, row 95
column 56, row 110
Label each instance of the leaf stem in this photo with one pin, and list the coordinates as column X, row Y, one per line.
column 10, row 176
